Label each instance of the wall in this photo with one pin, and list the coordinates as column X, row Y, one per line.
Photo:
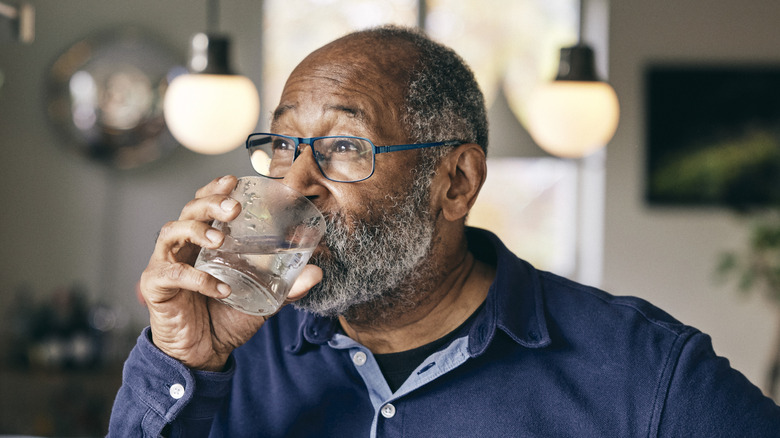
column 68, row 220
column 668, row 255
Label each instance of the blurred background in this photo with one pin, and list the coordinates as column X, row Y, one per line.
column 86, row 184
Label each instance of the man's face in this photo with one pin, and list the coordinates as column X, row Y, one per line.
column 380, row 229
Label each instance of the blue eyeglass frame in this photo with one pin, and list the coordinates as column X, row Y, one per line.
column 376, row 149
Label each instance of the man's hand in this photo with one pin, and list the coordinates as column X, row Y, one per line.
column 187, row 322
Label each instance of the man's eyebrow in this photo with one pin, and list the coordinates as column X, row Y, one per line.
column 280, row 110
column 351, row 111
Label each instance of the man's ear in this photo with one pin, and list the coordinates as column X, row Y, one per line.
column 461, row 175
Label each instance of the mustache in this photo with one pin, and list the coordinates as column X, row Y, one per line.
column 332, row 239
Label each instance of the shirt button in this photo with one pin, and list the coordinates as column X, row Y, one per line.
column 388, row 411
column 176, row 391
column 359, row 358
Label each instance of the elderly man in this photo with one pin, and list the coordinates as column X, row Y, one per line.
column 408, row 323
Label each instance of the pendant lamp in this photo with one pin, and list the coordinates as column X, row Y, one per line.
column 576, row 114
column 211, row 110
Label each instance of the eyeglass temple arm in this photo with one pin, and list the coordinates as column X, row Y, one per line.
column 406, row 147
column 257, row 142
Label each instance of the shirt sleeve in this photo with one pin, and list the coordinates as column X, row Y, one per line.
column 708, row 398
column 160, row 393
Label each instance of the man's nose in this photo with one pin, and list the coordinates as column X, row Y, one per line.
column 304, row 175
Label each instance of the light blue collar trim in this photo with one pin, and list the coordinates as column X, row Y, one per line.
column 435, row 366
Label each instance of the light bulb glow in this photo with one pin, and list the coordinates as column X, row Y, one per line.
column 211, row 114
column 572, row 119
column 260, row 160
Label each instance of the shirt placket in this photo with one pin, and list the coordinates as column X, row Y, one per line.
column 384, row 401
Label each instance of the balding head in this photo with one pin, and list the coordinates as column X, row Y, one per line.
column 434, row 93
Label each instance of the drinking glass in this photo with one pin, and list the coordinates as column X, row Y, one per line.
column 265, row 247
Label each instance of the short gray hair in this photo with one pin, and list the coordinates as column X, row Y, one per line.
column 442, row 100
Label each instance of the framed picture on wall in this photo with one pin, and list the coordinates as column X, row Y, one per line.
column 713, row 135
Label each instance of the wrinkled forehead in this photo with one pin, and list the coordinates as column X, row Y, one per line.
column 393, row 57
column 356, row 73
column 384, row 62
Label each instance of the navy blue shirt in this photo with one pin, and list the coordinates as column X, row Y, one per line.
column 544, row 356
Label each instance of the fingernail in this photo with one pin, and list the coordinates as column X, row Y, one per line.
column 224, row 289
column 214, row 236
column 228, row 204
column 225, row 179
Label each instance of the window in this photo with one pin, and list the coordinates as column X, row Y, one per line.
column 512, row 44
column 294, row 28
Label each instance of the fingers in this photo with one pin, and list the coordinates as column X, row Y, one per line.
column 179, row 241
column 310, row 276
column 169, row 270
column 175, row 235
column 218, row 186
column 213, row 202
column 219, row 207
column 162, row 282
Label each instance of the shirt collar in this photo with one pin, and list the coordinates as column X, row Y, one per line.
column 313, row 329
column 514, row 303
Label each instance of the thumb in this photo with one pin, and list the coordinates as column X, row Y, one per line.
column 310, row 276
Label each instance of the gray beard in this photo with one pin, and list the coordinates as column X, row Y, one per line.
column 375, row 268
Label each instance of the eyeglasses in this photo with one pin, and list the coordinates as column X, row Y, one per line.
column 340, row 158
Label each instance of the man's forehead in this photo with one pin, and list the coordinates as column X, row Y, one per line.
column 345, row 82
column 359, row 56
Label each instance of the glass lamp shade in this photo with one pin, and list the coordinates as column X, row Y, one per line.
column 572, row 119
column 211, row 113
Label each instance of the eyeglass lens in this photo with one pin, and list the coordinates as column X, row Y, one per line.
column 339, row 158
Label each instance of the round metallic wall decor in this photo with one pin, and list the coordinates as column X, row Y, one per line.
column 105, row 95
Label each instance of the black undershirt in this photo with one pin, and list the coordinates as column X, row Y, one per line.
column 397, row 367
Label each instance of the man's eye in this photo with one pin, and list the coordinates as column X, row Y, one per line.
column 341, row 146
column 282, row 144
